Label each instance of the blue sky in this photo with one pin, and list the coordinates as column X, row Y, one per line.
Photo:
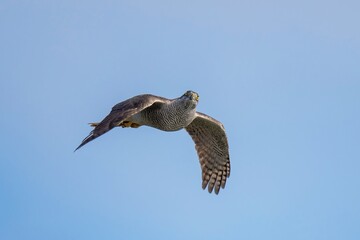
column 282, row 76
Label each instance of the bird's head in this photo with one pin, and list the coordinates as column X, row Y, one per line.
column 193, row 96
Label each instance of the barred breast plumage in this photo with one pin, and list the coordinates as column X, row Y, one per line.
column 172, row 115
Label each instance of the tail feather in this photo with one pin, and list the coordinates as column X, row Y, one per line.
column 89, row 138
column 99, row 130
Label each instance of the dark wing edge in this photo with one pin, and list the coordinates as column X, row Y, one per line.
column 120, row 112
column 213, row 150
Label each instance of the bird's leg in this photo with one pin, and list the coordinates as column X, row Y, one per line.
column 93, row 124
column 135, row 125
column 125, row 124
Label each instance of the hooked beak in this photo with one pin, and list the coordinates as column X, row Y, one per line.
column 196, row 97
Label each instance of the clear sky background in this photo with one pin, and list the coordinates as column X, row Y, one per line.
column 282, row 76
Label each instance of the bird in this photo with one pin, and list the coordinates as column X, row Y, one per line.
column 168, row 115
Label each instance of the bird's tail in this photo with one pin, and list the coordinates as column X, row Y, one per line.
column 89, row 138
column 100, row 128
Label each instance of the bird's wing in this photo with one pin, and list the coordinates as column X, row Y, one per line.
column 213, row 150
column 121, row 112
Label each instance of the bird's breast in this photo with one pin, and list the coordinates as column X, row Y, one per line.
column 166, row 119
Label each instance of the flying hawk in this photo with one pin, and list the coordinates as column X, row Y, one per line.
column 172, row 115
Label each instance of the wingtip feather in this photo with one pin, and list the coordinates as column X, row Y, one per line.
column 89, row 138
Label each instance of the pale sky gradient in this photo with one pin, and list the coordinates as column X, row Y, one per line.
column 282, row 76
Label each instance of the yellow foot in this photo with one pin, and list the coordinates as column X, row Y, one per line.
column 129, row 124
column 93, row 124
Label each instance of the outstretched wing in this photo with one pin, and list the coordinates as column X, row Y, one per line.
column 121, row 112
column 213, row 150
